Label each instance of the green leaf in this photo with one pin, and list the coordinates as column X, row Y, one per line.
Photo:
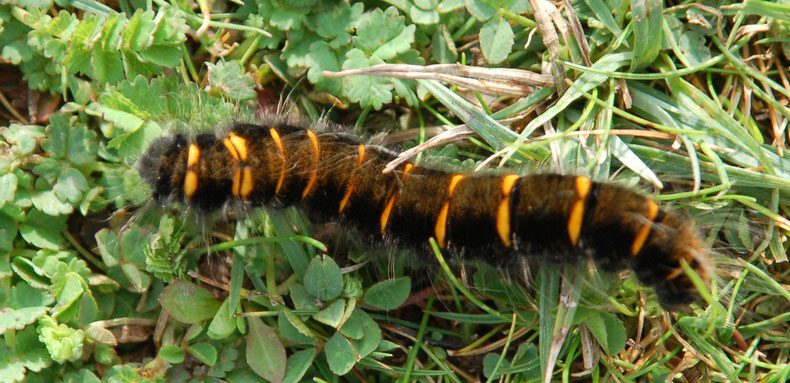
column 480, row 9
column 70, row 185
column 82, row 146
column 367, row 90
column 203, row 352
column 172, row 354
column 293, row 328
column 444, row 49
column 29, row 273
column 496, row 40
column 107, row 65
column 423, row 16
column 8, row 231
column 332, row 315
column 322, row 58
column 286, row 18
column 41, row 237
column 224, row 323
column 693, row 46
column 229, row 80
column 297, row 365
column 340, row 354
column 63, row 342
column 323, row 278
column 164, row 55
column 389, row 294
column 107, row 243
column 491, row 361
column 98, row 333
column 188, row 303
column 607, row 329
column 371, row 334
column 384, row 34
column 648, row 31
column 265, row 352
column 139, row 279
column 22, row 138
column 57, row 135
column 334, row 26
column 8, row 184
column 18, row 319
column 68, row 284
column 128, row 122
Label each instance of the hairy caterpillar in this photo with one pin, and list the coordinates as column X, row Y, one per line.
column 554, row 218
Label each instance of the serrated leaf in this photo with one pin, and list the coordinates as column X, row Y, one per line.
column 389, row 294
column 30, row 273
column 82, row 145
column 107, row 65
column 188, row 303
column 384, row 34
column 136, row 36
column 204, row 352
column 18, row 319
column 22, row 138
column 67, row 287
column 265, row 352
column 70, row 185
column 57, row 135
column 322, row 58
column 366, row 90
column 323, row 278
column 42, row 237
column 334, row 26
column 496, row 40
column 229, row 80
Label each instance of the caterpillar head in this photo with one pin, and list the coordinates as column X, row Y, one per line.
column 673, row 285
column 159, row 167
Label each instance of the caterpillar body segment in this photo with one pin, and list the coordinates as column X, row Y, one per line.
column 497, row 217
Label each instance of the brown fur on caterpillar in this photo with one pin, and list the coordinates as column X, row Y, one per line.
column 549, row 217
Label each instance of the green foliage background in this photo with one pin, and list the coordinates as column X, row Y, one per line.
column 691, row 99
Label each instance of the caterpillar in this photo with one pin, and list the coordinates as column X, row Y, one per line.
column 549, row 217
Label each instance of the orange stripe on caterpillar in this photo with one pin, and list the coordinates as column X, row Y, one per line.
column 577, row 211
column 316, row 162
column 350, row 185
column 441, row 222
column 503, row 210
column 281, row 151
column 641, row 236
column 385, row 215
